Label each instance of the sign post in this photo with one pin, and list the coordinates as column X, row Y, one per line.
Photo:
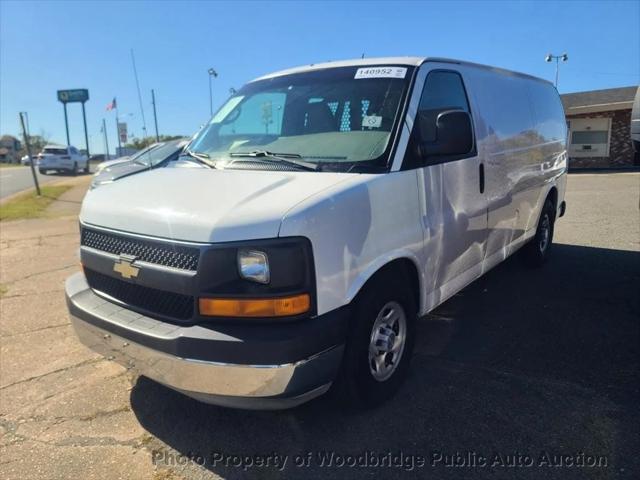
column 66, row 122
column 78, row 95
column 122, row 132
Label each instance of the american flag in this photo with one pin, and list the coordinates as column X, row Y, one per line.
column 112, row 105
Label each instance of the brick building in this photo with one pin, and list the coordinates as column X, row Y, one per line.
column 599, row 128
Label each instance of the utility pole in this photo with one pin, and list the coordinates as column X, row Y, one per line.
column 26, row 143
column 155, row 115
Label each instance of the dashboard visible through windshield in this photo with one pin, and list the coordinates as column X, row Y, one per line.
column 337, row 118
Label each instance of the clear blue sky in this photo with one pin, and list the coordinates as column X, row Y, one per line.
column 51, row 45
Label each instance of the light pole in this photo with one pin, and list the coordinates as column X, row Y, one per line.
column 550, row 57
column 212, row 74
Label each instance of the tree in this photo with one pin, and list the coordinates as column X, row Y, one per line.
column 36, row 142
column 140, row 143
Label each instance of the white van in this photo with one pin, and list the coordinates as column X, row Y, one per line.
column 328, row 207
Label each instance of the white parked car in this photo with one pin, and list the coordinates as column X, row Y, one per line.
column 333, row 205
column 25, row 160
column 61, row 158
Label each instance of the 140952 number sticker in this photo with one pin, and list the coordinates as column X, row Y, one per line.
column 381, row 72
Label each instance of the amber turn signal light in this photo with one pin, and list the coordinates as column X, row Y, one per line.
column 256, row 307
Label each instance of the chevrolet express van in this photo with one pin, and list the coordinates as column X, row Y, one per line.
column 327, row 208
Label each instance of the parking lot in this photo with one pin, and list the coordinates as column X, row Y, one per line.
column 525, row 373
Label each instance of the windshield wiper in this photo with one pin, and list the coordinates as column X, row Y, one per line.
column 289, row 158
column 200, row 157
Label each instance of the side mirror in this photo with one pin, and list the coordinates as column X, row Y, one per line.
column 454, row 135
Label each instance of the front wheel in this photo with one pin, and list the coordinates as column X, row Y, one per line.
column 380, row 342
column 86, row 168
column 535, row 252
column 74, row 171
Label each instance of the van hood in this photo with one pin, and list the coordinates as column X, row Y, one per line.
column 203, row 205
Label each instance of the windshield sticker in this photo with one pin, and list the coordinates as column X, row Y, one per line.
column 381, row 72
column 372, row 121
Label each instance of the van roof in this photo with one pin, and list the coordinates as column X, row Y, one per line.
column 409, row 61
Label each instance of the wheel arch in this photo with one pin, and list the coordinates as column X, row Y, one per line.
column 405, row 264
column 553, row 196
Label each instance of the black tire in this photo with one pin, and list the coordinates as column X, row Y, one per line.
column 86, row 168
column 356, row 385
column 74, row 171
column 42, row 171
column 536, row 251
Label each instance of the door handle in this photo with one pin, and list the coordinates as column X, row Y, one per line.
column 481, row 175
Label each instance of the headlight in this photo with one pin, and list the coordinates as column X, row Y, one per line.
column 253, row 265
column 266, row 278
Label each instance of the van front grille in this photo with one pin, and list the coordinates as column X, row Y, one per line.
column 166, row 304
column 167, row 254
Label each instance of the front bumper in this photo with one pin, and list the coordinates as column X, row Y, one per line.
column 204, row 362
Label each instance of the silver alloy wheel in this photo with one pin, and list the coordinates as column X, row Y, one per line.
column 388, row 338
column 545, row 233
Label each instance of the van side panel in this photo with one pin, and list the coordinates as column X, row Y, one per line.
column 356, row 228
column 551, row 127
column 519, row 158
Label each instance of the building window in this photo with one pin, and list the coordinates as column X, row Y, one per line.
column 590, row 137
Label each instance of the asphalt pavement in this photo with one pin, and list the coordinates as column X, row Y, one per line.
column 524, row 374
column 16, row 179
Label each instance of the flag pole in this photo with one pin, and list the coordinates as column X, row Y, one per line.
column 118, row 129
column 106, row 141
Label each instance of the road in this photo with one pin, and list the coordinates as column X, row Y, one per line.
column 523, row 365
column 16, row 179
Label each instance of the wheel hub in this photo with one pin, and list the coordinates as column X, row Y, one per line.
column 388, row 337
column 545, row 233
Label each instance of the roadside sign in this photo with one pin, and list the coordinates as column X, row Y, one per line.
column 122, row 132
column 76, row 95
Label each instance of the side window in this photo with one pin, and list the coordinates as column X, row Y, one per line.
column 73, row 151
column 443, row 90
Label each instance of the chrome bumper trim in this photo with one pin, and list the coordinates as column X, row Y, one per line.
column 232, row 385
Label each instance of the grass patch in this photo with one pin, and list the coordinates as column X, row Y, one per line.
column 29, row 205
column 3, row 290
column 10, row 165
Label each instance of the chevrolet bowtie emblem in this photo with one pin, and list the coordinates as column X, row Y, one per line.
column 125, row 268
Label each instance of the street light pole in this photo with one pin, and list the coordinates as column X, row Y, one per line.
column 564, row 57
column 212, row 74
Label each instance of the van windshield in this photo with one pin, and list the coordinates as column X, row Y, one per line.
column 337, row 118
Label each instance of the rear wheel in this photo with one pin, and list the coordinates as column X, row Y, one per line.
column 42, row 171
column 535, row 253
column 380, row 342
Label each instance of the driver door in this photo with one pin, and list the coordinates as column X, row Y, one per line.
column 454, row 206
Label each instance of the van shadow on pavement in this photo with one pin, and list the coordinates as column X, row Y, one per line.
column 520, row 362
